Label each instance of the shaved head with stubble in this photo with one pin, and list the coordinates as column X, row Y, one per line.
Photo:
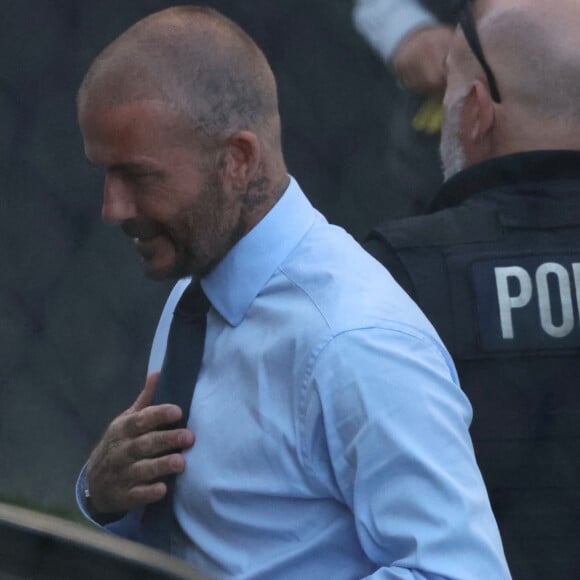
column 532, row 48
column 192, row 59
column 182, row 112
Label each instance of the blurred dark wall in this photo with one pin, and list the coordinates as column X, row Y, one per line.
column 76, row 314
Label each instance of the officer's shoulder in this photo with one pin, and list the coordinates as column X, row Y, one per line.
column 462, row 224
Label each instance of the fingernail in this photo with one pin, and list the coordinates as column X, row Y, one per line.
column 177, row 463
column 185, row 439
column 173, row 414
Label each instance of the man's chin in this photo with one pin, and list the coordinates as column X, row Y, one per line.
column 159, row 273
column 171, row 270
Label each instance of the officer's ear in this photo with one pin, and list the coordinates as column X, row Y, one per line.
column 240, row 159
column 479, row 115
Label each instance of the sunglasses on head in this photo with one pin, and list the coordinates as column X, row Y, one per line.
column 469, row 28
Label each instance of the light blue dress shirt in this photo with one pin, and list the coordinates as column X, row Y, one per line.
column 331, row 433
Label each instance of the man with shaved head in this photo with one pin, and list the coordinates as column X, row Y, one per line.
column 495, row 266
column 327, row 436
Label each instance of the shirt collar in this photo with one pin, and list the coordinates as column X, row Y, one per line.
column 516, row 169
column 237, row 280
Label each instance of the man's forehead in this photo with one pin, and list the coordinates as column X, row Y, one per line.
column 144, row 114
column 111, row 131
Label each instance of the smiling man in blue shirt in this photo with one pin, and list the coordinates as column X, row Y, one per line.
column 328, row 435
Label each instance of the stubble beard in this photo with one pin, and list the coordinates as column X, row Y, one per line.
column 452, row 152
column 203, row 233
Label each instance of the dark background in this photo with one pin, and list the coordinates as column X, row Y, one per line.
column 76, row 314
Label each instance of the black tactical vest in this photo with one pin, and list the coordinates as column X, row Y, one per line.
column 499, row 277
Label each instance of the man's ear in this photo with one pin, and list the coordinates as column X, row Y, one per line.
column 241, row 159
column 478, row 115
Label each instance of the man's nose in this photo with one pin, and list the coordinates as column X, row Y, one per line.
column 118, row 201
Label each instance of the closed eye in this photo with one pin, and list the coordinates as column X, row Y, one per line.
column 135, row 171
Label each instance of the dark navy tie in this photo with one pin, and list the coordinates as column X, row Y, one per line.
column 175, row 385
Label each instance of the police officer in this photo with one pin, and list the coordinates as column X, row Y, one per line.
column 495, row 265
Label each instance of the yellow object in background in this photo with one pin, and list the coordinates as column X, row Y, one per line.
column 429, row 117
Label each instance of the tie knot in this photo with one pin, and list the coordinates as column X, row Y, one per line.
column 193, row 302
